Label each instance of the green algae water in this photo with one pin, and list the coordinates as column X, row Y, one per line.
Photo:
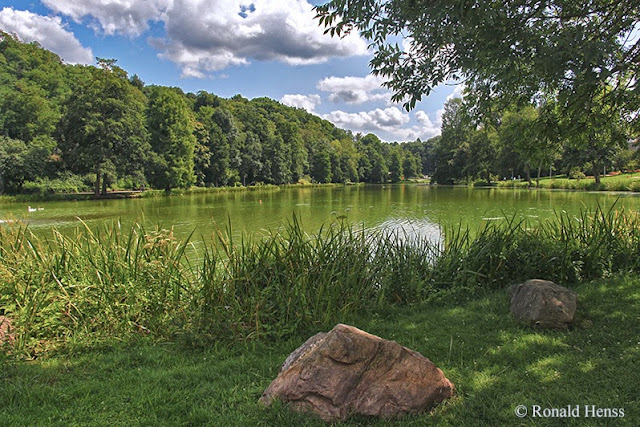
column 417, row 209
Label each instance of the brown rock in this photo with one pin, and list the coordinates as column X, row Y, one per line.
column 5, row 330
column 348, row 371
column 543, row 304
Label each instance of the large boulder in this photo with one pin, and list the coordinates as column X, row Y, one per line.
column 348, row 371
column 543, row 304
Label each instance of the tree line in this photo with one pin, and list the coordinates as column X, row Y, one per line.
column 529, row 141
column 69, row 127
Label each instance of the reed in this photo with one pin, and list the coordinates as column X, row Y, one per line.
column 119, row 282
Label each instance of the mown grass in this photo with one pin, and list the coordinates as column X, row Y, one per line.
column 620, row 182
column 495, row 363
column 97, row 285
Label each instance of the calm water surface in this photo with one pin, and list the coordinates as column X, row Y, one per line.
column 419, row 209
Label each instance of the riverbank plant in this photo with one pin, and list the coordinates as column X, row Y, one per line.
column 125, row 282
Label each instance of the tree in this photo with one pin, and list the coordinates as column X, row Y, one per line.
column 517, row 132
column 411, row 166
column 251, row 165
column 172, row 141
column 102, row 128
column 321, row 171
column 600, row 131
column 481, row 154
column 451, row 150
column 217, row 144
column 395, row 164
column 500, row 48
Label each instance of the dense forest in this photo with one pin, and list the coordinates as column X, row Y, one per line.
column 71, row 128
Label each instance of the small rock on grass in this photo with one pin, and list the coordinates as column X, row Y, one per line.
column 543, row 304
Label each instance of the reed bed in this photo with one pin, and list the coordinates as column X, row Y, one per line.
column 120, row 282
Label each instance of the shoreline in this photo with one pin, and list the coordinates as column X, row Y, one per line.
column 135, row 194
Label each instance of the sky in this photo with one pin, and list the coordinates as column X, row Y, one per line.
column 255, row 48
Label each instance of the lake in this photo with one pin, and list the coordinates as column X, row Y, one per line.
column 419, row 209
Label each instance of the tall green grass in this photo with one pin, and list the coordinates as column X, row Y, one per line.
column 119, row 283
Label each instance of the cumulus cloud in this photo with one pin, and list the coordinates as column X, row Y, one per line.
column 457, row 92
column 427, row 128
column 204, row 36
column 49, row 31
column 391, row 124
column 389, row 119
column 308, row 102
column 355, row 90
column 130, row 17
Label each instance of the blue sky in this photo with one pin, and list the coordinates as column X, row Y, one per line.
column 255, row 48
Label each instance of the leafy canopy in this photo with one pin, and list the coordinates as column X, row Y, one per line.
column 500, row 48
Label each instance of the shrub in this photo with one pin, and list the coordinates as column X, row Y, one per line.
column 66, row 183
column 576, row 173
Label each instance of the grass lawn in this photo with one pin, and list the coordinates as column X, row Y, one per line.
column 495, row 363
column 619, row 182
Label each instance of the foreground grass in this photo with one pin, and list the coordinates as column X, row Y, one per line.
column 495, row 363
column 620, row 182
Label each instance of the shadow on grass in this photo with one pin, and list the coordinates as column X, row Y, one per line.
column 495, row 363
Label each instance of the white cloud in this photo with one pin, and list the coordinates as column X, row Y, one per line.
column 308, row 102
column 49, row 31
column 390, row 123
column 204, row 36
column 457, row 92
column 355, row 90
column 129, row 17
column 426, row 129
column 390, row 119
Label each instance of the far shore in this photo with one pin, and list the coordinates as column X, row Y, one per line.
column 133, row 194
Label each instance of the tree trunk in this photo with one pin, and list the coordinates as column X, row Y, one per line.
column 104, row 183
column 528, row 173
column 96, row 188
column 538, row 177
column 596, row 175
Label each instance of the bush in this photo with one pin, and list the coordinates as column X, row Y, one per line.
column 67, row 183
column 576, row 173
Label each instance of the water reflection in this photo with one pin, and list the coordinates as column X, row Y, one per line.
column 418, row 210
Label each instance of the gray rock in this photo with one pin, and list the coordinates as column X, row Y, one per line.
column 543, row 304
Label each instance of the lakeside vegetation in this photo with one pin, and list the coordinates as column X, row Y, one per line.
column 123, row 324
column 122, row 283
